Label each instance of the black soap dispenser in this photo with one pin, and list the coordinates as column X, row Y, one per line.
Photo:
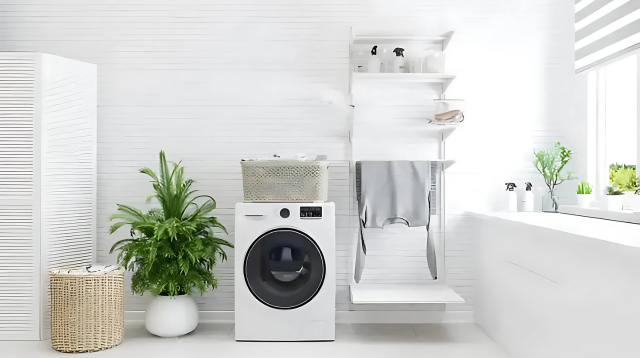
column 528, row 202
column 374, row 61
column 399, row 61
column 512, row 197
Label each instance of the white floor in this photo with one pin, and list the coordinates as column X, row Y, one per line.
column 357, row 340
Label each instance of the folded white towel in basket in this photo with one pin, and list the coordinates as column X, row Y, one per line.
column 88, row 270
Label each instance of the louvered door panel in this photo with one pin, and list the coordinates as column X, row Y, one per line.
column 68, row 165
column 19, row 241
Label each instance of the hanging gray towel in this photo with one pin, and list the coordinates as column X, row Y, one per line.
column 394, row 192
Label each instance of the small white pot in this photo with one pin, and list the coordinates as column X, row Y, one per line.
column 171, row 316
column 615, row 202
column 584, row 200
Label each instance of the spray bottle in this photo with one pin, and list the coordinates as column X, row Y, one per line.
column 528, row 203
column 374, row 61
column 399, row 61
column 512, row 196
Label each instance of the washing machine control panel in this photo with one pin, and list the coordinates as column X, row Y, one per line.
column 310, row 211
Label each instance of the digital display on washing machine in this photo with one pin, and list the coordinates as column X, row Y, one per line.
column 310, row 211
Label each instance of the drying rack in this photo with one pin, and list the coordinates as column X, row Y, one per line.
column 376, row 135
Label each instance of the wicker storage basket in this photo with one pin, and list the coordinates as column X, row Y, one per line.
column 87, row 311
column 285, row 181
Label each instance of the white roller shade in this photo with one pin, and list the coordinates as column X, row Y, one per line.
column 605, row 29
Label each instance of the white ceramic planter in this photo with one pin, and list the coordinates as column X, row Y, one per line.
column 171, row 316
column 615, row 202
column 584, row 200
column 633, row 202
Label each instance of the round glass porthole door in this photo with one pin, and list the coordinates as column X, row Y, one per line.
column 284, row 268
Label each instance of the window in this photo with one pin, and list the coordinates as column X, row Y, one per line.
column 613, row 124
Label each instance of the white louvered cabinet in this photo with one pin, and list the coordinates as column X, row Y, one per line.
column 47, row 181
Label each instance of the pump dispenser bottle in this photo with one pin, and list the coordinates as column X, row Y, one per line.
column 512, row 197
column 528, row 202
column 374, row 61
column 399, row 61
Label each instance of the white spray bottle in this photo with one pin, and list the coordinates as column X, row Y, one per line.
column 374, row 61
column 399, row 61
column 512, row 197
column 528, row 202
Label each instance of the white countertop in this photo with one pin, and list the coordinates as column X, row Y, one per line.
column 606, row 230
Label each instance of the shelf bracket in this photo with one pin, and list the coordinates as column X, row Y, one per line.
column 447, row 39
column 445, row 85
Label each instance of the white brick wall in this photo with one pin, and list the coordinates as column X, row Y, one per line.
column 212, row 82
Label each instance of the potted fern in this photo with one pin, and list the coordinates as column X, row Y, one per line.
column 584, row 195
column 172, row 249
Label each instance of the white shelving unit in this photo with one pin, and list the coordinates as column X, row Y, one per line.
column 403, row 294
column 442, row 40
column 446, row 163
column 440, row 78
column 431, row 130
column 371, row 141
column 445, row 100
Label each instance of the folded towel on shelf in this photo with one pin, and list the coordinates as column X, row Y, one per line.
column 394, row 192
column 450, row 117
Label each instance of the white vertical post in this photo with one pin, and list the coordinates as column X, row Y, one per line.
column 592, row 133
column 602, row 179
column 440, row 253
column 637, row 113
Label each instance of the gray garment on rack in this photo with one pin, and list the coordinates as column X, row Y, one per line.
column 394, row 192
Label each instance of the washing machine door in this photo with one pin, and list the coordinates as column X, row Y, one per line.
column 284, row 268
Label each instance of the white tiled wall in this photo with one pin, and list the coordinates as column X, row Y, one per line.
column 212, row 82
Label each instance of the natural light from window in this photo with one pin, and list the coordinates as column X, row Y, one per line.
column 621, row 111
column 621, row 120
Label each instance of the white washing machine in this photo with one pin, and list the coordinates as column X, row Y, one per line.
column 285, row 272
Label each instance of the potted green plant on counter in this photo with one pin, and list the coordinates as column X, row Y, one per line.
column 550, row 163
column 615, row 198
column 172, row 249
column 623, row 177
column 584, row 195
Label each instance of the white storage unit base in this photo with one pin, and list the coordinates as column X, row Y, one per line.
column 401, row 294
column 47, row 182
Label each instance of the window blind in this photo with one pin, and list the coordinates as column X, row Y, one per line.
column 605, row 29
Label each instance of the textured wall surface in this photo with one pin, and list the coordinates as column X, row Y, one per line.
column 212, row 82
column 19, row 271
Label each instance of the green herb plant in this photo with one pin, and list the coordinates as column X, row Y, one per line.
column 636, row 185
column 612, row 190
column 550, row 163
column 624, row 177
column 584, row 188
column 613, row 168
column 172, row 249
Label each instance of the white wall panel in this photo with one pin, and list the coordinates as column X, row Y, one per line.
column 68, row 167
column 19, row 239
column 47, row 182
column 212, row 82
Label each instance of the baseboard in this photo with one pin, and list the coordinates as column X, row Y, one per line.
column 404, row 317
column 347, row 317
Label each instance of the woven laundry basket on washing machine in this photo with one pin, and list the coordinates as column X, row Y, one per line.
column 280, row 181
column 87, row 309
